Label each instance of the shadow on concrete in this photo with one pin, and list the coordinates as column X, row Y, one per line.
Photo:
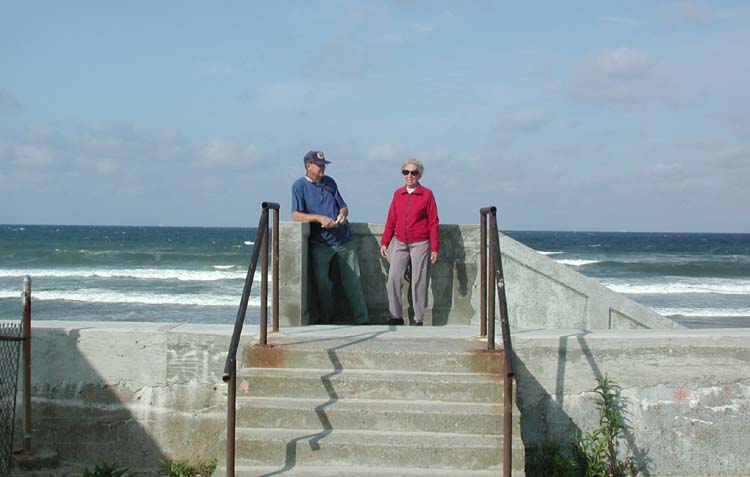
column 543, row 416
column 449, row 279
column 314, row 439
column 78, row 413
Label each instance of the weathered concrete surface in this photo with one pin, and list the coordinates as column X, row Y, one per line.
column 541, row 292
column 135, row 393
column 131, row 393
column 687, row 392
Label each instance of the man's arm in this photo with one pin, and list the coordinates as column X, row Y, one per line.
column 326, row 222
column 343, row 214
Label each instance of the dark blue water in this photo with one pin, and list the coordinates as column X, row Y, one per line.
column 157, row 274
column 697, row 276
column 195, row 275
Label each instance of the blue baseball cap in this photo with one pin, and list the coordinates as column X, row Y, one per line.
column 316, row 157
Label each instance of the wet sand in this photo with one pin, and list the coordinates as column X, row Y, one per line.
column 697, row 322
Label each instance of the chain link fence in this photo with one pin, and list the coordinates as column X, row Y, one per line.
column 10, row 349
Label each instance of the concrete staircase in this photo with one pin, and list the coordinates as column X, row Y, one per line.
column 371, row 405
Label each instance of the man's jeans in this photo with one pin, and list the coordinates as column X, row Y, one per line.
column 348, row 266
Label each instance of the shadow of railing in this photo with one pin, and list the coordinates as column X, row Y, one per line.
column 314, row 439
column 543, row 415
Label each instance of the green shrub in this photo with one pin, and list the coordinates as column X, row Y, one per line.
column 597, row 451
column 107, row 470
column 183, row 468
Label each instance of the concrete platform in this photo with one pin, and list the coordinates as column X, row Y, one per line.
column 138, row 393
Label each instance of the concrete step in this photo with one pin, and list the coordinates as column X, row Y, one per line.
column 434, row 355
column 377, row 415
column 370, row 384
column 446, row 451
column 359, row 471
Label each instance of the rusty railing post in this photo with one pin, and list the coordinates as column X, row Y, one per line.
column 483, row 273
column 27, row 364
column 507, row 425
column 231, row 417
column 264, row 281
column 491, row 292
column 275, row 273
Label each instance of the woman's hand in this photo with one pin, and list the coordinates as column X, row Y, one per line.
column 384, row 252
column 433, row 257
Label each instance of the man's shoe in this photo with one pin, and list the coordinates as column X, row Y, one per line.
column 396, row 322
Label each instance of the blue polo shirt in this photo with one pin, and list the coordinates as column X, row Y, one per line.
column 321, row 198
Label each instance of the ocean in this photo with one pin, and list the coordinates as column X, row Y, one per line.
column 195, row 275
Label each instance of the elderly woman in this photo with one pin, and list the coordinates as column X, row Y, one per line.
column 413, row 218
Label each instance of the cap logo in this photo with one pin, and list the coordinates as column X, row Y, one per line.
column 320, row 155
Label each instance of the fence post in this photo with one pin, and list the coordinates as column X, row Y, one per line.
column 27, row 364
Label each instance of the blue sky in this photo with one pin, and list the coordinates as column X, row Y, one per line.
column 590, row 115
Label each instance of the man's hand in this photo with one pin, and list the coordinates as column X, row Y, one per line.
column 326, row 222
column 433, row 257
column 384, row 252
column 340, row 219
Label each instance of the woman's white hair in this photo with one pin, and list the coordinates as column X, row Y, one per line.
column 414, row 163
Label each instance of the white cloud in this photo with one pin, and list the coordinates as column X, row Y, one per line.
column 9, row 103
column 624, row 20
column 227, row 154
column 282, row 95
column 689, row 12
column 530, row 120
column 738, row 122
column 663, row 169
column 29, row 155
column 736, row 158
column 384, row 152
column 625, row 76
column 693, row 184
column 215, row 69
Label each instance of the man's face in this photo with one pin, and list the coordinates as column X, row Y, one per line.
column 315, row 172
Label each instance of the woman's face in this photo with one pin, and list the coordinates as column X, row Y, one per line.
column 411, row 175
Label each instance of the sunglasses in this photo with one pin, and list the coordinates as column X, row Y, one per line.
column 406, row 173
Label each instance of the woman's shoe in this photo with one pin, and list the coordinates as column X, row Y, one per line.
column 396, row 322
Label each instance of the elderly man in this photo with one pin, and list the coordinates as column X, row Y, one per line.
column 316, row 199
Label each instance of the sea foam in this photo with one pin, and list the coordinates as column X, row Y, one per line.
column 576, row 262
column 720, row 286
column 703, row 311
column 97, row 295
column 132, row 273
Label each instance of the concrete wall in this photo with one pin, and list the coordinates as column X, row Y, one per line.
column 541, row 293
column 135, row 393
column 130, row 393
column 687, row 393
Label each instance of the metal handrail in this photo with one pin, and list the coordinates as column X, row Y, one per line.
column 487, row 321
column 260, row 249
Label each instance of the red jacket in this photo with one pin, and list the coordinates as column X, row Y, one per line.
column 412, row 217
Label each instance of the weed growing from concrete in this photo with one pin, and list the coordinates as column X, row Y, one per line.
column 596, row 451
column 183, row 468
column 550, row 460
column 107, row 470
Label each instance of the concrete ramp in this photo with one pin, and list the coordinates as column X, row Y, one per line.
column 541, row 292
